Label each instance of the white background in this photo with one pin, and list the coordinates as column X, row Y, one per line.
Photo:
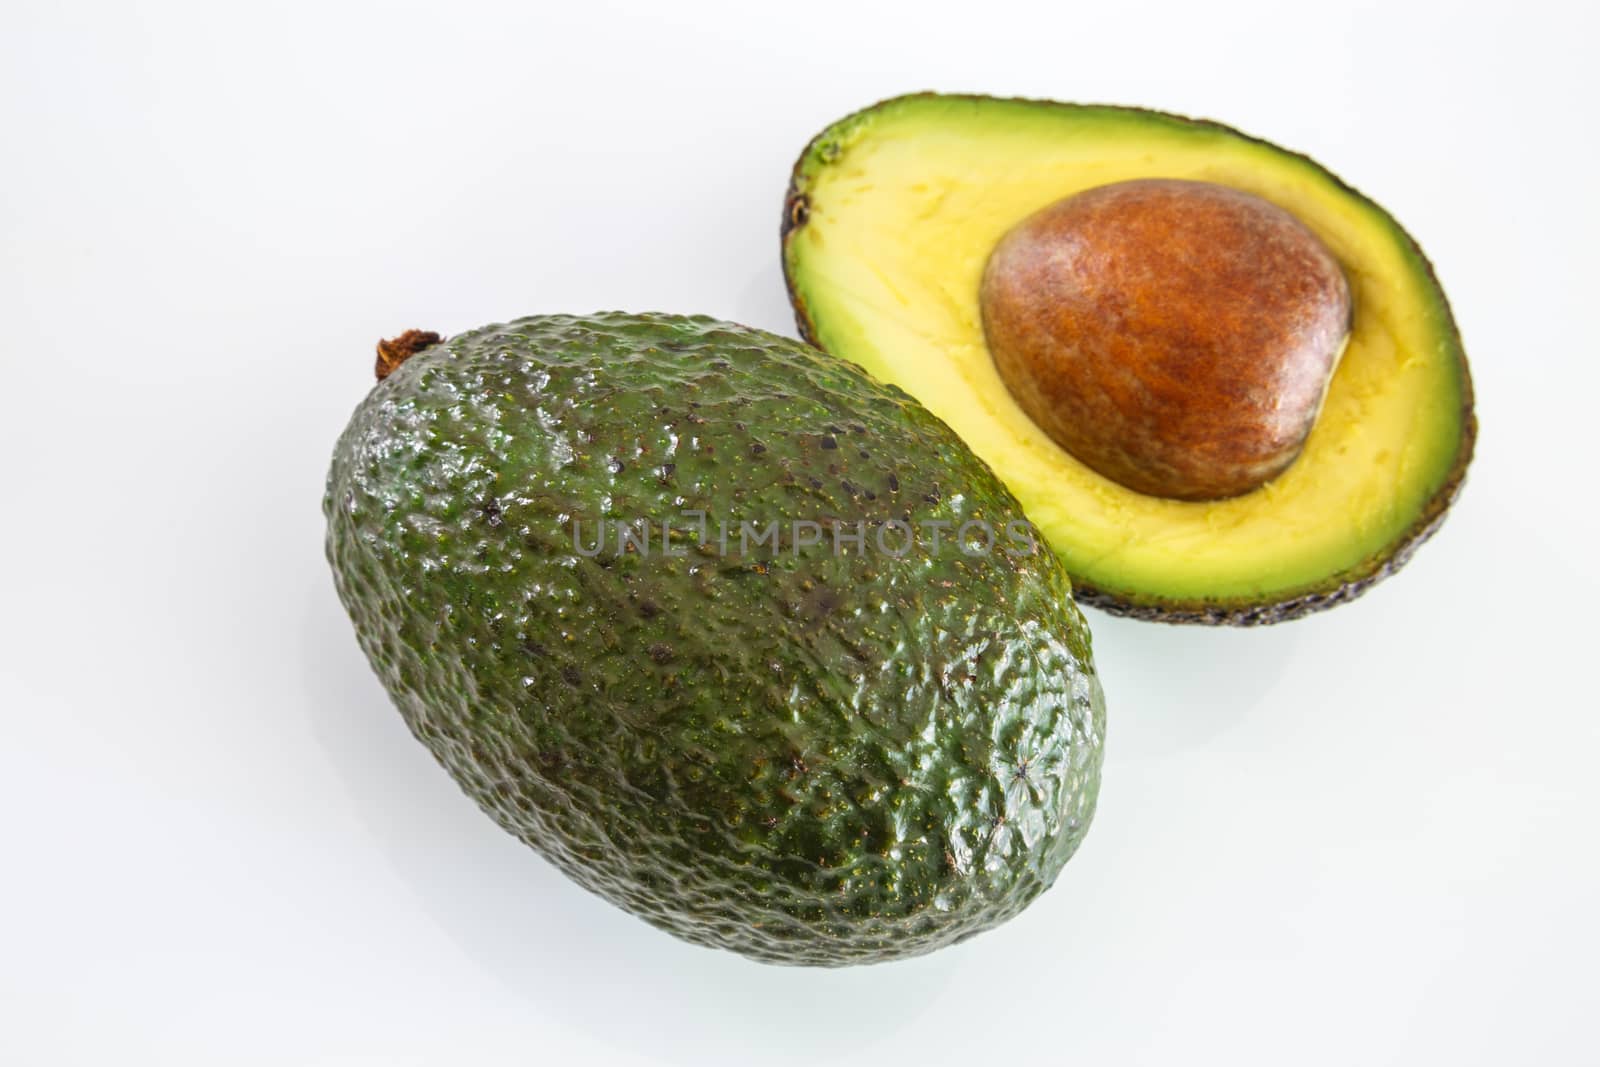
column 1367, row 837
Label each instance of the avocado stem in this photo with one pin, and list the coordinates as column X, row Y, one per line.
column 394, row 352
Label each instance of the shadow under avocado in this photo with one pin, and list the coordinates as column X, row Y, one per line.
column 1170, row 689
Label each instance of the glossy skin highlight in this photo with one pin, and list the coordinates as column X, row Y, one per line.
column 1178, row 337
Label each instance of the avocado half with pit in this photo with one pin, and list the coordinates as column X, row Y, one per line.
column 1226, row 386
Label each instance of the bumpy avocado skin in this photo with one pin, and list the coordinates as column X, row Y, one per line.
column 803, row 756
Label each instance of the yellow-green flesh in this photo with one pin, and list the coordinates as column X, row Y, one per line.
column 905, row 203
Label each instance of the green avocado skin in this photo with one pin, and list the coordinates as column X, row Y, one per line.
column 804, row 754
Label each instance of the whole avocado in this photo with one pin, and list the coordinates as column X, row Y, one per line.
column 771, row 715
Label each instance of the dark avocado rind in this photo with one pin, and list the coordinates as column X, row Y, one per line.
column 802, row 756
column 1283, row 606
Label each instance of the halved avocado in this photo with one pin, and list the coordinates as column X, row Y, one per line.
column 891, row 216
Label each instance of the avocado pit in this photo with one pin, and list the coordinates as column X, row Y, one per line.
column 1176, row 336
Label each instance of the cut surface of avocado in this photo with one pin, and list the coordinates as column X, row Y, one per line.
column 891, row 217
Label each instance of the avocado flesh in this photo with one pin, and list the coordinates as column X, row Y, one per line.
column 891, row 217
column 802, row 756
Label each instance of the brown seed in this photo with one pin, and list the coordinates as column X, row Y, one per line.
column 1176, row 336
